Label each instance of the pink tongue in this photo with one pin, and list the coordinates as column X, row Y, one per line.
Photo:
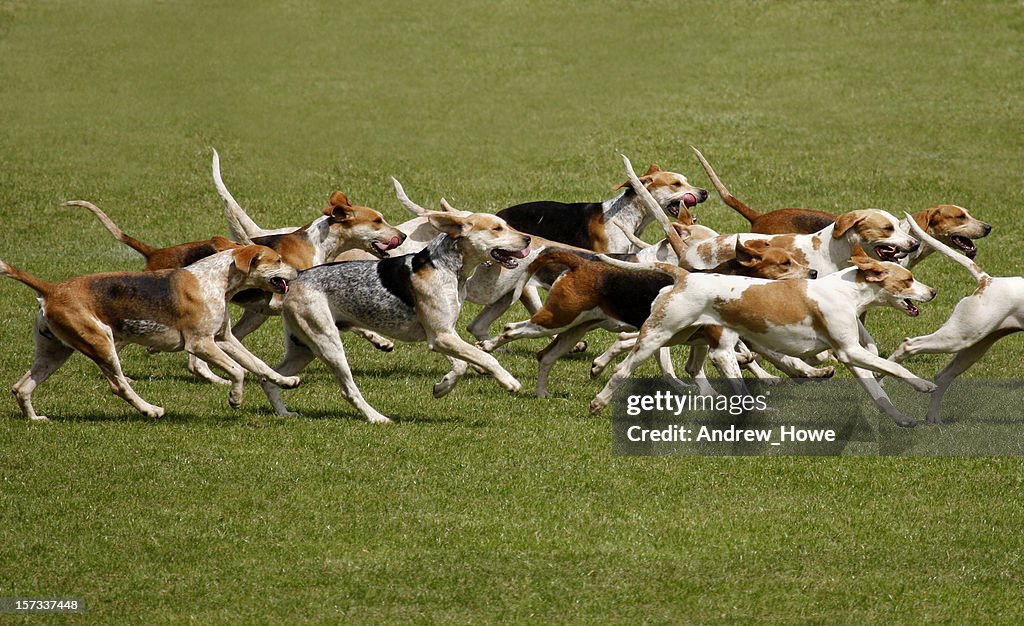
column 395, row 241
column 522, row 253
column 689, row 199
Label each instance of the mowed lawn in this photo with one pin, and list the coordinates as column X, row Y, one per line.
column 483, row 506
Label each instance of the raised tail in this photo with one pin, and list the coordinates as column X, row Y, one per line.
column 409, row 205
column 240, row 225
column 142, row 248
column 972, row 267
column 723, row 193
column 665, row 268
column 39, row 285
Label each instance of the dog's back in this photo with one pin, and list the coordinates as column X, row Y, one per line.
column 571, row 224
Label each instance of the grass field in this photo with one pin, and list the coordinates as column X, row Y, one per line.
column 482, row 506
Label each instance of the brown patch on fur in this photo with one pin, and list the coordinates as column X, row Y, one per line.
column 780, row 303
column 982, row 285
column 596, row 230
column 294, row 249
column 788, row 242
column 713, row 335
column 186, row 253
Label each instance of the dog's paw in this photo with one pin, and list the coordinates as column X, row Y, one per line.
column 924, row 386
column 377, row 418
column 290, row 382
column 154, row 412
column 581, row 346
column 904, row 421
column 933, row 418
column 596, row 406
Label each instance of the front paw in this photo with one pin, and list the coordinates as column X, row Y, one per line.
column 290, row 382
column 924, row 386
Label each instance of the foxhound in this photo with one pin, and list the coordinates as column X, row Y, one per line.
column 795, row 317
column 164, row 310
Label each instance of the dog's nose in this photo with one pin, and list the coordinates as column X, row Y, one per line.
column 913, row 248
column 703, row 193
column 814, row 274
column 934, row 292
column 988, row 228
column 402, row 237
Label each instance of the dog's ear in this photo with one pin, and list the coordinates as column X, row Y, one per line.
column 247, row 256
column 449, row 223
column 845, row 222
column 870, row 269
column 645, row 179
column 340, row 208
column 749, row 254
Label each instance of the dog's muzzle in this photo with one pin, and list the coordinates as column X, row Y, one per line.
column 507, row 258
column 381, row 249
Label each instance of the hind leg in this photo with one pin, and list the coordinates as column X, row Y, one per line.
column 960, row 364
column 51, row 353
column 296, row 357
column 559, row 346
column 313, row 326
column 96, row 341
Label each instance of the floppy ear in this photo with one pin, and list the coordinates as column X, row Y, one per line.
column 340, row 208
column 448, row 223
column 246, row 256
column 749, row 254
column 871, row 270
column 845, row 222
column 645, row 179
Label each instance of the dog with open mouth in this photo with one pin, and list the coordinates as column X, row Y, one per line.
column 588, row 225
column 795, row 317
column 872, row 231
column 951, row 224
column 165, row 310
column 415, row 297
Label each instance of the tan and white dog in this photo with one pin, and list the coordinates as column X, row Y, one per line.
column 164, row 310
column 950, row 224
column 829, row 250
column 993, row 311
column 795, row 317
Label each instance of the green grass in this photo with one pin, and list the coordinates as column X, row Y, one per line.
column 483, row 506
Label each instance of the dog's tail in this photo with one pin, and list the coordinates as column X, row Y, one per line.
column 39, row 285
column 723, row 193
column 240, row 225
column 979, row 274
column 142, row 248
column 409, row 205
column 665, row 268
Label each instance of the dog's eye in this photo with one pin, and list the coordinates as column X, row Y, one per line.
column 378, row 221
column 498, row 229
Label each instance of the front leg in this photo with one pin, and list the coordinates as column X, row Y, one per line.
column 234, row 349
column 447, row 342
column 859, row 356
column 880, row 398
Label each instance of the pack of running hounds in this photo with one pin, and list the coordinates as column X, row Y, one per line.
column 793, row 292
